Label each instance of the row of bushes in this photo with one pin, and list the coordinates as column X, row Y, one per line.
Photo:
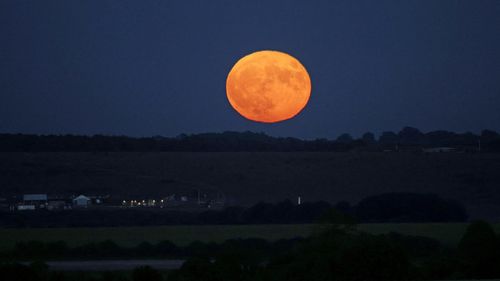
column 38, row 271
column 337, row 253
column 252, row 247
column 350, row 256
column 243, row 141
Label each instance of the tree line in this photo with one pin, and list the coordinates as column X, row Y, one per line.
column 338, row 252
column 488, row 140
column 387, row 207
column 108, row 249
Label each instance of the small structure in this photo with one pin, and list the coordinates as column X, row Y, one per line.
column 38, row 201
column 81, row 201
column 34, row 197
column 56, row 205
column 25, row 207
column 439, row 149
column 3, row 203
column 99, row 199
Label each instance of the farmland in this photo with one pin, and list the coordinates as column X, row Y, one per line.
column 448, row 233
column 246, row 178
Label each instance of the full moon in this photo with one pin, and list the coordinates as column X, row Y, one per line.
column 268, row 86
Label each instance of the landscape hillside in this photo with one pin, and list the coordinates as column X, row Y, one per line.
column 245, row 178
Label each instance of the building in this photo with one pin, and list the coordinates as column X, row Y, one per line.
column 3, row 203
column 81, row 201
column 25, row 207
column 37, row 201
column 57, row 205
column 34, row 197
column 99, row 199
column 438, row 149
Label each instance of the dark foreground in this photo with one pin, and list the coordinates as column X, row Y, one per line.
column 334, row 252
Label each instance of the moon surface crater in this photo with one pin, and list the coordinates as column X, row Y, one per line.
column 268, row 86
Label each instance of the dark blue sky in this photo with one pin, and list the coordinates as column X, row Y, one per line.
column 145, row 68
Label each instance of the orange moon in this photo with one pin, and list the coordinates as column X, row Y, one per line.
column 268, row 86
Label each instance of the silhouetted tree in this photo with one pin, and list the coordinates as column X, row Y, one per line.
column 228, row 268
column 18, row 272
column 409, row 135
column 166, row 248
column 388, row 139
column 368, row 138
column 441, row 138
column 489, row 135
column 337, row 255
column 344, row 207
column 479, row 249
column 232, row 141
column 345, row 138
column 490, row 141
column 372, row 258
column 195, row 269
column 409, row 207
column 146, row 273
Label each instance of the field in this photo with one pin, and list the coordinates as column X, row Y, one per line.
column 449, row 233
column 246, row 178
column 131, row 236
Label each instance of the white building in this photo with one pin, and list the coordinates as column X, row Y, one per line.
column 81, row 201
column 25, row 207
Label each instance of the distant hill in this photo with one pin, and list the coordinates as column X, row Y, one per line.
column 251, row 167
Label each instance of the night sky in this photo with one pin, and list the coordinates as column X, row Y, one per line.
column 144, row 68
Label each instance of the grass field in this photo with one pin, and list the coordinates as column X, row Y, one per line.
column 131, row 236
column 448, row 233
